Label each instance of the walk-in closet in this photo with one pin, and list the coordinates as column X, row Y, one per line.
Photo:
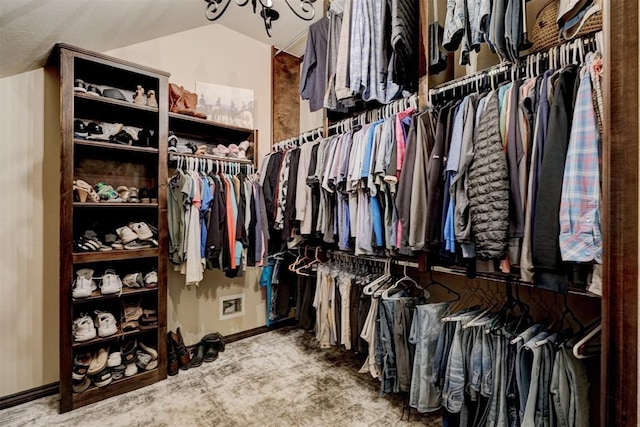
column 320, row 212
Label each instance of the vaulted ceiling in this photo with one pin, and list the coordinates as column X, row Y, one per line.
column 30, row 28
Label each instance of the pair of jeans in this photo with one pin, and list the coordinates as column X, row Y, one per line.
column 401, row 329
column 531, row 364
column 389, row 380
column 426, row 328
column 569, row 390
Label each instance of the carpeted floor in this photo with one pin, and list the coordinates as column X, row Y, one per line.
column 274, row 379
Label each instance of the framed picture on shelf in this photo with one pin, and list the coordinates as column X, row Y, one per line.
column 226, row 104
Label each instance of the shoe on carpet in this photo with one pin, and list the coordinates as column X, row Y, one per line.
column 172, row 357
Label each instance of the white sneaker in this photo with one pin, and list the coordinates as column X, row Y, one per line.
column 83, row 287
column 115, row 359
column 131, row 369
column 111, row 283
column 83, row 329
column 142, row 230
column 126, row 234
column 107, row 325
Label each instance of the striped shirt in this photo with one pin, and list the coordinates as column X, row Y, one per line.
column 580, row 234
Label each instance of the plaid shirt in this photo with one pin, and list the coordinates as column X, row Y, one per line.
column 580, row 234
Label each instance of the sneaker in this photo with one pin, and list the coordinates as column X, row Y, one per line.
column 133, row 280
column 111, row 283
column 83, row 329
column 107, row 325
column 145, row 362
column 140, row 97
column 83, row 287
column 131, row 369
column 128, row 352
column 150, row 351
column 102, row 378
column 151, row 280
column 142, row 230
column 126, row 234
column 173, row 142
column 114, row 359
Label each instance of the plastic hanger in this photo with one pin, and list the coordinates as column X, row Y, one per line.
column 580, row 347
column 403, row 279
column 368, row 289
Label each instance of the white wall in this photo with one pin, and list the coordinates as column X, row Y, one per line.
column 29, row 227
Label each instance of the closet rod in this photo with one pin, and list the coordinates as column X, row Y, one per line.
column 381, row 113
column 396, row 261
column 300, row 139
column 586, row 40
column 501, row 278
column 172, row 157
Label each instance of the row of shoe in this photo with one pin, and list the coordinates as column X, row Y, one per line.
column 234, row 151
column 116, row 133
column 110, row 283
column 105, row 325
column 102, row 367
column 136, row 235
column 181, row 357
column 140, row 97
column 103, row 192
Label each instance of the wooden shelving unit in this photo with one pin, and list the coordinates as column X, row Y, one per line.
column 113, row 164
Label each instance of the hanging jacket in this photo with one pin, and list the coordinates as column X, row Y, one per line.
column 489, row 186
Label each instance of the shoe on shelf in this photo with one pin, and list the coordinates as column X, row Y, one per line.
column 151, row 280
column 147, row 138
column 172, row 142
column 151, row 99
column 150, row 351
column 117, row 372
column 140, row 98
column 131, row 369
column 98, row 362
column 80, row 129
column 144, row 195
column 81, row 385
column 138, row 244
column 83, row 288
column 133, row 280
column 102, row 378
column 145, row 361
column 233, row 151
column 107, row 193
column 123, row 192
column 133, row 195
column 223, row 150
column 149, row 319
column 85, row 191
column 142, row 230
column 126, row 234
column 172, row 357
column 83, row 329
column 106, row 324
column 93, row 90
column 114, row 93
column 181, row 350
column 81, row 363
column 114, row 359
column 128, row 352
column 111, row 283
column 79, row 86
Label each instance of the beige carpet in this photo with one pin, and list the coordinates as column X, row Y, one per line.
column 274, row 379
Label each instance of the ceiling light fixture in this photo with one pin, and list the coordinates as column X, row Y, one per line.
column 216, row 8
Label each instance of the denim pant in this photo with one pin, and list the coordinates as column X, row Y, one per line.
column 426, row 329
column 531, row 367
column 402, row 316
column 569, row 390
column 389, row 379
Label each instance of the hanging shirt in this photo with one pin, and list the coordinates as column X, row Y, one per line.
column 580, row 235
column 313, row 78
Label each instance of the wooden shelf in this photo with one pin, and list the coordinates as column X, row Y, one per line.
column 114, row 205
column 199, row 121
column 123, row 335
column 96, row 394
column 113, row 146
column 117, row 102
column 114, row 255
column 126, row 292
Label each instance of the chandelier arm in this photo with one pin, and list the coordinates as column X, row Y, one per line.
column 215, row 9
column 307, row 11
